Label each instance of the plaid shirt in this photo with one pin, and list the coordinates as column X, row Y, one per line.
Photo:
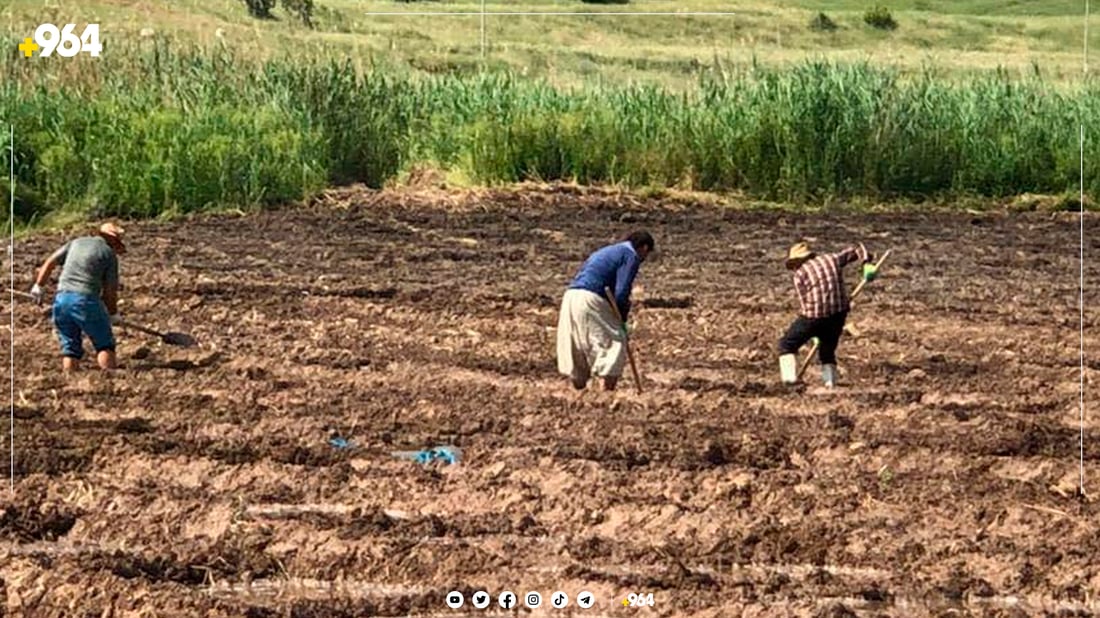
column 820, row 285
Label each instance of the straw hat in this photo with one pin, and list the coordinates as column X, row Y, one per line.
column 114, row 232
column 797, row 254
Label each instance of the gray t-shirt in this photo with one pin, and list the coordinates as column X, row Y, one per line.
column 89, row 265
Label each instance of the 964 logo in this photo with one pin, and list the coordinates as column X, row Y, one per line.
column 48, row 40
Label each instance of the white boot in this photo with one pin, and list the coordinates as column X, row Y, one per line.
column 828, row 375
column 788, row 368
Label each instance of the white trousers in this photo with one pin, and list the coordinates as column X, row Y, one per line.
column 589, row 340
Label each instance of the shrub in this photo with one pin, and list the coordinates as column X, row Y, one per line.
column 880, row 17
column 260, row 8
column 302, row 9
column 822, row 23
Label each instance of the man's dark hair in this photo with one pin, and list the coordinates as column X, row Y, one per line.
column 640, row 239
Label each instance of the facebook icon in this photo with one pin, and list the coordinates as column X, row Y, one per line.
column 507, row 600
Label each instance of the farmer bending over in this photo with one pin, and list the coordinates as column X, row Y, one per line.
column 87, row 294
column 824, row 300
column 591, row 340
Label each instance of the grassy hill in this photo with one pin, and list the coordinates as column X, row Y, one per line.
column 960, row 37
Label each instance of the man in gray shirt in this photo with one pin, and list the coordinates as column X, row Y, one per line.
column 87, row 294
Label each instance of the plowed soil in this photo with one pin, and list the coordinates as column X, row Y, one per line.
column 939, row 479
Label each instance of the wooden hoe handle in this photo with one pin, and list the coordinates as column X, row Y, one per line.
column 626, row 342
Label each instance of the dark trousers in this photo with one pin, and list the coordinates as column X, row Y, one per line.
column 827, row 330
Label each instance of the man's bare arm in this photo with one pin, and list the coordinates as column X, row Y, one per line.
column 45, row 270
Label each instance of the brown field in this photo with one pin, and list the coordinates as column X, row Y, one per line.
column 939, row 480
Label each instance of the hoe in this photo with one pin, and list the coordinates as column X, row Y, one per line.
column 180, row 339
column 629, row 355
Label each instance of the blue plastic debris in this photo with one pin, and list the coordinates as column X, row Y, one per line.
column 340, row 442
column 448, row 454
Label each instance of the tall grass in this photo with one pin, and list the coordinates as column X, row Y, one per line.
column 162, row 128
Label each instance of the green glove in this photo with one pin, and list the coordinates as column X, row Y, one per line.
column 624, row 330
column 870, row 272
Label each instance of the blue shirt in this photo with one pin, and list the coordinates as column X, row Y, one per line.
column 613, row 266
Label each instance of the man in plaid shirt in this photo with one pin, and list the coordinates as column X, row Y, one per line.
column 824, row 306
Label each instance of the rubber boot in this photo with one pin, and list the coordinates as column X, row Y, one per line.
column 788, row 368
column 828, row 375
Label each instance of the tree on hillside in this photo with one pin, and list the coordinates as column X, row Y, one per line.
column 302, row 9
column 260, row 8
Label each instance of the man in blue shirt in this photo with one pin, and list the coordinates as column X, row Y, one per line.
column 591, row 340
column 87, row 294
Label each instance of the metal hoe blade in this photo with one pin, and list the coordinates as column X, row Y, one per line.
column 180, row 339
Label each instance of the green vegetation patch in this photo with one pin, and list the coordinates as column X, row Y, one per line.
column 161, row 130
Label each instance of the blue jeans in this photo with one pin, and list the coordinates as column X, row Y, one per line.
column 76, row 314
